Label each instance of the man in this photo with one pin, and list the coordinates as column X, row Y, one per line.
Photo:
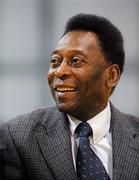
column 48, row 143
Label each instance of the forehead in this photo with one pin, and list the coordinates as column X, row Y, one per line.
column 79, row 39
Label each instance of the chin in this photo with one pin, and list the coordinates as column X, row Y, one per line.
column 62, row 107
column 65, row 108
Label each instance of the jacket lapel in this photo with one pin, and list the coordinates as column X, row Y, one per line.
column 125, row 145
column 55, row 143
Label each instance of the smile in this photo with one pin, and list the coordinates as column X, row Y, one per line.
column 65, row 89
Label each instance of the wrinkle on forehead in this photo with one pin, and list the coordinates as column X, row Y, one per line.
column 79, row 37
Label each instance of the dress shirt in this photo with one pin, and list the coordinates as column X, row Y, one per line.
column 100, row 142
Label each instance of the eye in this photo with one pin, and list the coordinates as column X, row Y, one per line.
column 55, row 62
column 77, row 62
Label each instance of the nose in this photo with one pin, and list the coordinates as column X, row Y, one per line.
column 63, row 71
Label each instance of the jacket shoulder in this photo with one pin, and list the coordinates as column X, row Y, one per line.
column 24, row 124
column 134, row 121
column 125, row 120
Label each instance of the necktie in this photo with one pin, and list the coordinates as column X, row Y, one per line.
column 88, row 164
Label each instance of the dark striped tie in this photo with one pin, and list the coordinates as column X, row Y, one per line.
column 88, row 164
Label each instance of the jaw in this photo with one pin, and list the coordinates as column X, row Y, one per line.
column 65, row 98
column 77, row 103
column 71, row 104
column 66, row 101
column 74, row 106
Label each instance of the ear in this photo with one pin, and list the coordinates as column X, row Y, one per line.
column 112, row 75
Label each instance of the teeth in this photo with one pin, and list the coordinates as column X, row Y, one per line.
column 65, row 89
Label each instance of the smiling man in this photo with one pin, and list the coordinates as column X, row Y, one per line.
column 84, row 137
column 80, row 77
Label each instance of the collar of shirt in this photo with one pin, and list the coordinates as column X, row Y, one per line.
column 100, row 124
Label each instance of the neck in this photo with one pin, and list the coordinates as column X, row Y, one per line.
column 85, row 116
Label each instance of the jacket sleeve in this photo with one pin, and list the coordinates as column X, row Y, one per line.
column 11, row 165
column 2, row 170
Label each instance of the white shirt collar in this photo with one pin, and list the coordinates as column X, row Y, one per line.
column 100, row 124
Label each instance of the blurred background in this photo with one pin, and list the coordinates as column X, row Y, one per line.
column 29, row 31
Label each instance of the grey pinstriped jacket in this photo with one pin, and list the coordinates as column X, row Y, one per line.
column 38, row 146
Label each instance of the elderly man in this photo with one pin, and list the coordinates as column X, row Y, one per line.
column 84, row 136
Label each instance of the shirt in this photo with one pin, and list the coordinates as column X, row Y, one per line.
column 100, row 142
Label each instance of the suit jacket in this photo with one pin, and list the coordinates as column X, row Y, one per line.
column 2, row 170
column 38, row 146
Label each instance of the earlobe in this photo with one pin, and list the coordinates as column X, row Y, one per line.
column 113, row 75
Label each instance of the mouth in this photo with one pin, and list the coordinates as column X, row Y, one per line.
column 65, row 89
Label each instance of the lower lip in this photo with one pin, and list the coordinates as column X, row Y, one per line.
column 62, row 94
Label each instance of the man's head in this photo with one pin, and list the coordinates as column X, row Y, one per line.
column 110, row 38
column 82, row 72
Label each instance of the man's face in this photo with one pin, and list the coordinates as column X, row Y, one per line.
column 77, row 75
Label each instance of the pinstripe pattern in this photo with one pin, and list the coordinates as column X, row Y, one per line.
column 38, row 146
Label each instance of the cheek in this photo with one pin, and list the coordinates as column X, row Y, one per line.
column 81, row 75
column 97, row 75
column 95, row 82
column 50, row 77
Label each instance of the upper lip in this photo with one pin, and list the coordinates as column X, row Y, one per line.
column 64, row 88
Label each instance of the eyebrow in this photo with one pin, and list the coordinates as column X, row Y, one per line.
column 73, row 51
column 54, row 52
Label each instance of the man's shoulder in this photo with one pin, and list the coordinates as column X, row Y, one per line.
column 34, row 116
column 24, row 130
column 115, row 110
column 134, row 120
column 25, row 123
column 125, row 118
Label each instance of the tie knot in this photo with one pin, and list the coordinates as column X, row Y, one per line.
column 84, row 129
